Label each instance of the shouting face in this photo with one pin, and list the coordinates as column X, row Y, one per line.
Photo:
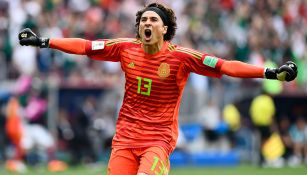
column 151, row 28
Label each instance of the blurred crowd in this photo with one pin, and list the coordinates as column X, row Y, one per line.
column 260, row 32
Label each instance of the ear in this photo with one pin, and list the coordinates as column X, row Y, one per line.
column 165, row 29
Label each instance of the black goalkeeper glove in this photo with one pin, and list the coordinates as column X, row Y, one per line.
column 28, row 38
column 286, row 72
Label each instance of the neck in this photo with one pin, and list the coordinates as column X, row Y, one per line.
column 153, row 48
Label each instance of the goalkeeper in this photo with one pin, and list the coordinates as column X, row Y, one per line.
column 156, row 72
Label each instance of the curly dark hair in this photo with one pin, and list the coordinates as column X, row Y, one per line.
column 171, row 27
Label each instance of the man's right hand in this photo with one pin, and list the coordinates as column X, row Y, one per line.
column 28, row 38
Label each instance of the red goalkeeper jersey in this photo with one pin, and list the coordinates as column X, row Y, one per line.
column 153, row 88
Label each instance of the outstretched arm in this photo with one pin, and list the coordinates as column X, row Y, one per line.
column 69, row 45
column 286, row 72
column 242, row 70
column 97, row 50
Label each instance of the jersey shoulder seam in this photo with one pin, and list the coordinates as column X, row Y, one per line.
column 122, row 40
column 190, row 52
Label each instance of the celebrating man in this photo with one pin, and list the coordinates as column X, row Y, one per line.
column 156, row 72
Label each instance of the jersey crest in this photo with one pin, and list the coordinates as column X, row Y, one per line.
column 131, row 65
column 164, row 70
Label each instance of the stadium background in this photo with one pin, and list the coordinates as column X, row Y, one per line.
column 76, row 100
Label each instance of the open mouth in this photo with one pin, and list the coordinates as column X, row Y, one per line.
column 147, row 33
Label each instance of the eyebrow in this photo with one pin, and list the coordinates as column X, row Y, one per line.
column 151, row 17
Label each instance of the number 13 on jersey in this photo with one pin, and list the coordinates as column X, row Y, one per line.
column 146, row 83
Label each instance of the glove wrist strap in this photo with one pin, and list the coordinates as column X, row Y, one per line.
column 44, row 42
column 270, row 73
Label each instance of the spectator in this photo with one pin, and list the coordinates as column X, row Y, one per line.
column 210, row 118
column 284, row 127
column 298, row 133
column 262, row 111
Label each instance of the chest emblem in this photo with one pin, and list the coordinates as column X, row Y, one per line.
column 131, row 65
column 164, row 70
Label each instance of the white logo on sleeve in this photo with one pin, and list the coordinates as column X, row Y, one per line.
column 98, row 45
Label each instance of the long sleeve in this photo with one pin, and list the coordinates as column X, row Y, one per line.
column 69, row 45
column 241, row 70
